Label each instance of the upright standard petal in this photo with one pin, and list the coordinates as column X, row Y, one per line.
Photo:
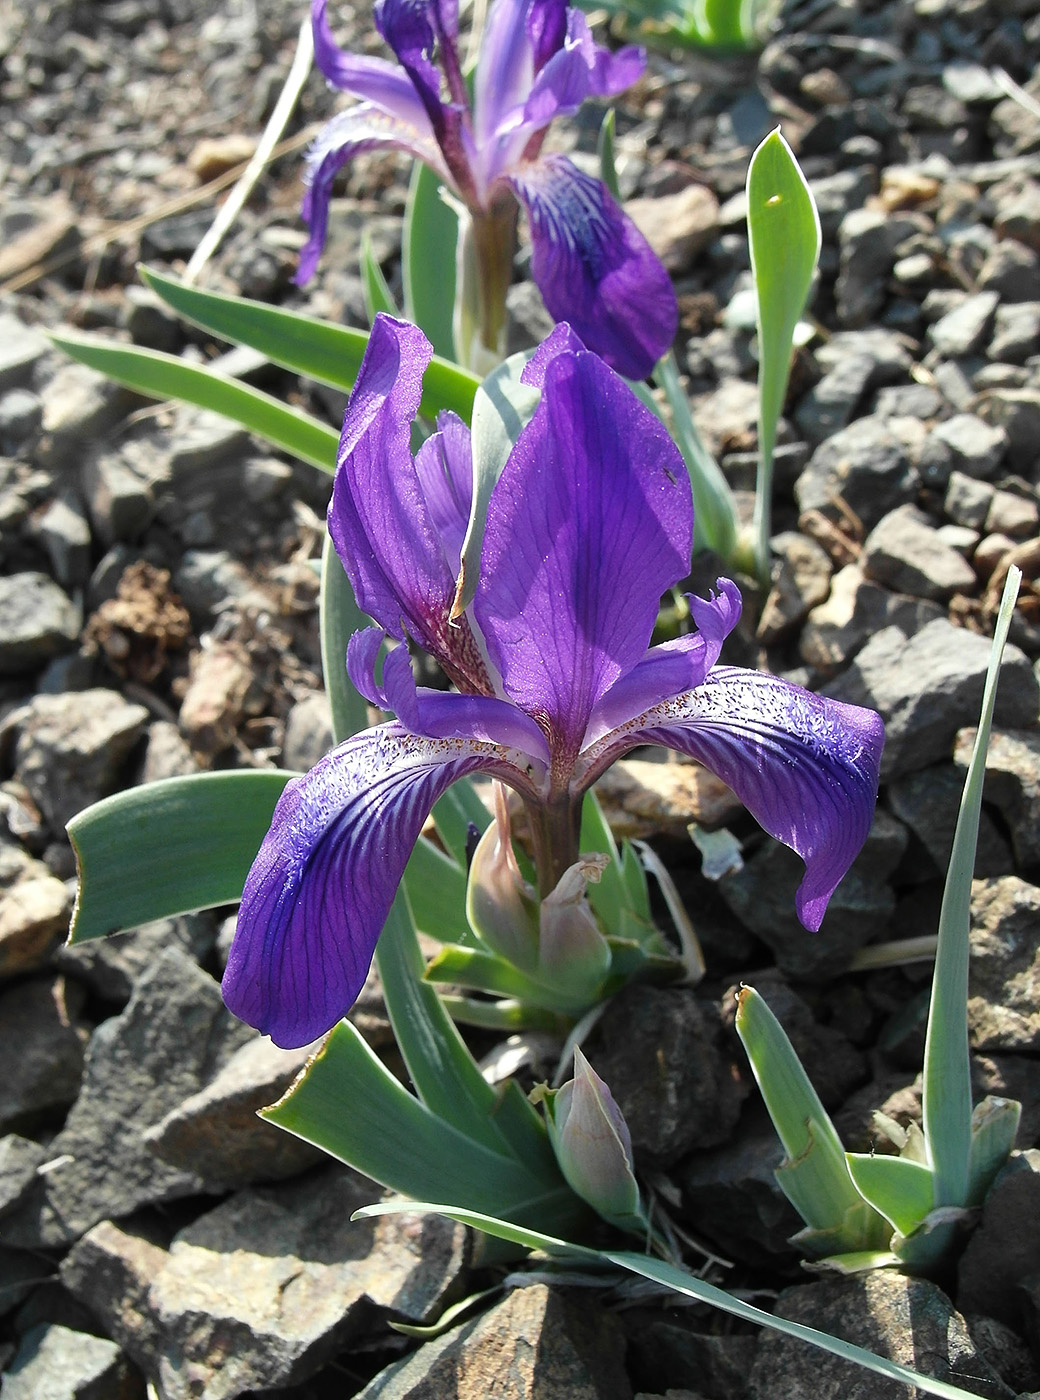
column 590, row 521
column 380, row 518
column 805, row 767
column 321, row 887
column 581, row 68
column 372, row 79
column 594, row 268
column 444, row 465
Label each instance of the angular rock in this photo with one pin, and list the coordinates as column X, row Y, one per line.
column 19, row 1158
column 976, row 447
column 928, row 802
column 1004, row 978
column 111, row 966
column 837, row 629
column 214, row 703
column 831, row 403
column 1013, row 270
column 865, row 465
column 1019, row 215
column 79, row 406
column 39, row 1017
column 967, row 500
column 1013, row 515
column 868, row 240
column 1001, row 1255
column 21, row 349
column 34, row 916
column 905, row 553
column 537, row 1344
column 928, row 686
column 172, row 1038
column 56, row 1363
column 966, row 329
column 38, row 621
column 1012, row 784
column 666, row 1351
column 167, row 754
column 677, row 226
column 905, row 1319
column 119, row 499
column 1011, row 1077
column 308, row 733
column 1016, row 332
column 264, row 1289
column 642, row 798
column 71, row 749
column 801, row 580
column 1017, row 411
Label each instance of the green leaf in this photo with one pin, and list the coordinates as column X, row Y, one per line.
column 607, row 166
column 671, row 1276
column 481, row 971
column 899, row 1188
column 722, row 26
column 946, row 1098
column 304, row 344
column 340, row 618
column 428, row 254
column 436, row 888
column 784, row 239
column 502, row 409
column 166, row 377
column 169, row 848
column 378, row 296
column 994, row 1126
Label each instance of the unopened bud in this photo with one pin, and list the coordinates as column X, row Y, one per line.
column 501, row 906
column 573, row 954
column 593, row 1147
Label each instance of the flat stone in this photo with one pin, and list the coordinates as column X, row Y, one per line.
column 976, row 447
column 56, row 1363
column 71, row 749
column 537, row 1344
column 677, row 226
column 65, row 534
column 167, row 755
column 1019, row 216
column 79, row 406
column 865, row 465
column 38, row 621
column 263, row 1290
column 908, row 1320
column 1004, row 976
column 120, row 501
column 966, row 329
column 641, row 798
column 830, row 404
column 111, row 966
column 40, row 1017
column 173, row 1037
column 1001, row 1254
column 1012, row 514
column 1012, row 784
column 905, row 553
column 217, row 1132
column 1013, row 270
column 838, row 628
column 928, row 686
column 34, row 915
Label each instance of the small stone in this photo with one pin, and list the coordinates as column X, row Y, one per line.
column 868, row 239
column 1001, row 1255
column 967, row 500
column 903, row 187
column 65, row 534
column 1017, row 411
column 34, row 915
column 976, row 447
column 966, row 329
column 641, row 798
column 1004, row 982
column 56, row 1363
column 856, row 608
column 1014, row 515
column 1019, row 216
column 308, row 733
column 826, row 88
column 837, row 194
column 1012, row 784
column 208, row 579
column 831, row 403
column 120, row 502
column 215, row 155
column 214, row 703
column 865, row 465
column 1013, row 271
column 959, row 537
column 19, row 1158
column 38, row 621
column 801, row 580
column 21, row 349
column 39, row 1016
column 677, row 226
column 928, row 686
column 21, row 413
column 167, row 755
column 990, row 552
column 971, row 82
column 928, row 802
column 663, row 1347
column 80, row 405
column 1016, row 332
column 111, row 966
column 905, row 553
column 71, row 749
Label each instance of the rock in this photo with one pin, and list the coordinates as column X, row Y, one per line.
column 1019, row 216
column 263, row 1290
column 217, row 1134
column 865, row 465
column 1004, row 1350
column 966, row 329
column 976, row 448
column 856, row 608
column 928, row 802
column 38, row 621
column 39, row 1016
column 119, row 499
column 19, row 1158
column 167, row 754
column 727, row 418
column 45, row 229
column 928, row 686
column 1011, row 1077
column 908, row 1320
column 214, row 155
column 71, row 749
column 214, row 703
column 868, row 239
column 56, row 1363
column 666, row 1350
column 891, row 352
column 206, row 579
column 172, row 1038
column 967, row 500
column 21, row 349
column 661, row 1055
column 80, row 405
column 801, row 580
column 308, row 733
column 539, row 1343
column 1012, row 270
column 904, row 552
column 838, row 194
column 677, row 226
column 34, row 915
column 65, row 534
column 1012, row 784
column 831, row 403
column 21, row 413
column 111, row 966
column 762, row 896
column 20, row 1277
column 959, row 537
column 1016, row 332
column 642, row 798
column 1012, row 514
column 1017, row 411
column 1004, row 981
column 1001, row 1255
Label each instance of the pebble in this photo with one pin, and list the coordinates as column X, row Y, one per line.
column 1012, row 514
column 1002, row 1253
column 38, row 621
column 1016, row 333
column 865, row 465
column 967, row 500
column 1004, row 979
column 906, row 553
column 34, row 915
column 57, row 1363
column 1013, row 271
column 41, row 1017
column 1017, row 411
column 801, row 580
column 677, row 226
column 1012, row 784
column 965, row 329
column 856, row 608
column 112, row 966
column 22, row 347
column 976, row 448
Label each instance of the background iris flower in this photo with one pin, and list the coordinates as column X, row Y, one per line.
column 537, row 61
column 589, row 523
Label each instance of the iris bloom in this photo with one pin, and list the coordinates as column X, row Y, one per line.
column 537, row 61
column 589, row 523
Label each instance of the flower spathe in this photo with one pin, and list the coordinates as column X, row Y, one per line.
column 537, row 61
column 589, row 523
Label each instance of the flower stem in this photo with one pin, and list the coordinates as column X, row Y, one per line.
column 555, row 832
column 487, row 242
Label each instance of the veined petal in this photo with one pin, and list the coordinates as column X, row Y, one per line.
column 444, row 464
column 505, row 70
column 380, row 519
column 362, row 128
column 580, row 69
column 323, row 882
column 590, row 521
column 673, row 667
column 372, row 79
column 804, row 766
column 594, row 268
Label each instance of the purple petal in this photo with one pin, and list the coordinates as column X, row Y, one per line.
column 673, row 667
column 547, row 29
column 372, row 79
column 444, row 465
column 323, row 882
column 504, row 76
column 804, row 766
column 589, row 523
column 363, row 128
column 594, row 268
column 380, row 519
column 580, row 69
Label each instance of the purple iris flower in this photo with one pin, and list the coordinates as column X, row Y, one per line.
column 589, row 523
column 537, row 61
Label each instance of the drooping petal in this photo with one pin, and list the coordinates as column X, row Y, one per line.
column 594, row 268
column 380, row 519
column 323, row 882
column 444, row 464
column 590, row 521
column 581, row 68
column 371, row 79
column 804, row 766
column 673, row 667
column 362, row 128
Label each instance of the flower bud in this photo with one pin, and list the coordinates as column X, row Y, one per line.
column 593, row 1146
column 501, row 906
column 573, row 954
